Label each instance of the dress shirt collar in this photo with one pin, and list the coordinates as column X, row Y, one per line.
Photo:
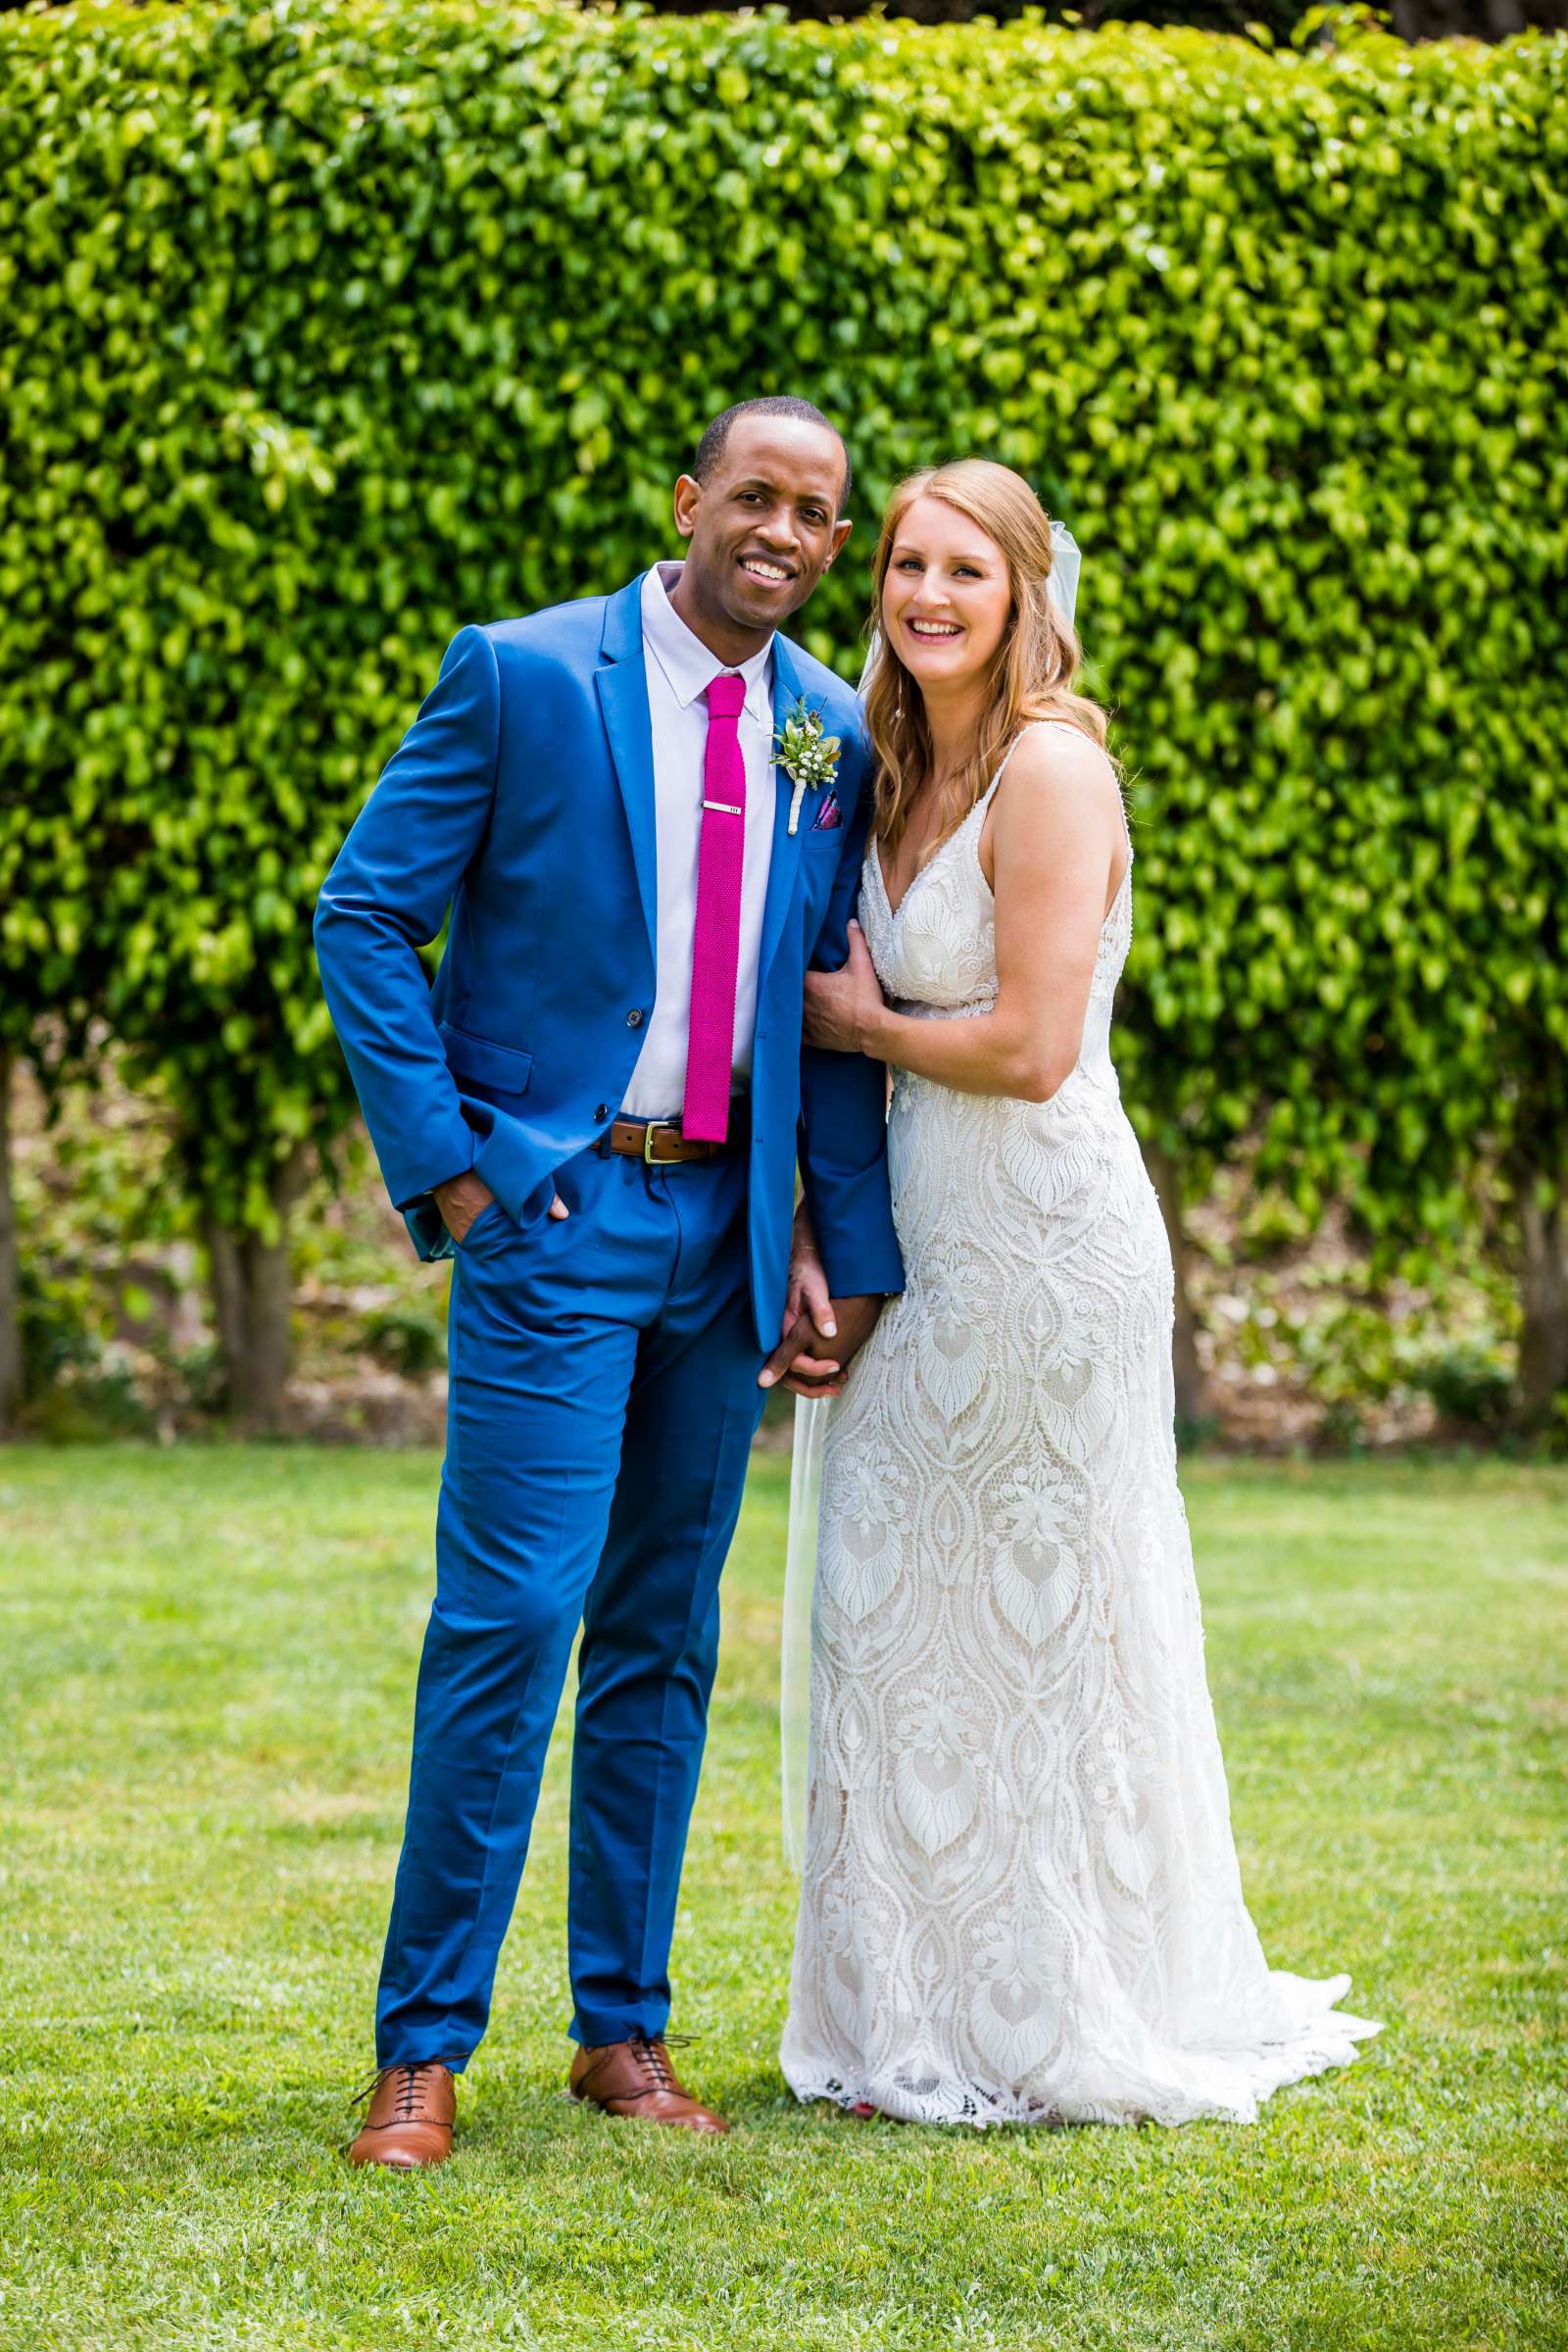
column 689, row 667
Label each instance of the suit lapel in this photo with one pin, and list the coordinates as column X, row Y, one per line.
column 785, row 864
column 621, row 684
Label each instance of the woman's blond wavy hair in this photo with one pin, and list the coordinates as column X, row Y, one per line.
column 1035, row 664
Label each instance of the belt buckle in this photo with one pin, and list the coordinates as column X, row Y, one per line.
column 653, row 1128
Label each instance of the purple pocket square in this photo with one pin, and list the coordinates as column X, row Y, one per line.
column 829, row 816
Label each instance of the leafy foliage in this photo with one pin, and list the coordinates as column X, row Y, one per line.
column 332, row 327
column 1267, row 20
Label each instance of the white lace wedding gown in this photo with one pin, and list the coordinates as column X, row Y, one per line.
column 1020, row 1899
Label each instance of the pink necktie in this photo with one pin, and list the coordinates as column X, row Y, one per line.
column 715, row 945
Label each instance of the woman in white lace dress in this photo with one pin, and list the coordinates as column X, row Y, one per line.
column 1021, row 1899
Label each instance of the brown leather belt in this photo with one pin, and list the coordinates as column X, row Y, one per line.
column 661, row 1143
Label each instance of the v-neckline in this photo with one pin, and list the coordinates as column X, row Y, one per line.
column 894, row 912
column 921, row 872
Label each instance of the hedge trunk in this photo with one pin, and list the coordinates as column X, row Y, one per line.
column 1191, row 1389
column 252, row 1291
column 1544, row 1297
column 10, row 1271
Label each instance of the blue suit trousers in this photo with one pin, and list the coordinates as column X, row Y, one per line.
column 602, row 1406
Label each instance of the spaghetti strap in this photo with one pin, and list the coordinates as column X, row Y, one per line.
column 1027, row 729
column 1121, row 806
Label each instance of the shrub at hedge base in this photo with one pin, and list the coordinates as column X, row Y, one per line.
column 330, row 327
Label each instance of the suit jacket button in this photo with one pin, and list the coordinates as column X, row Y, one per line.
column 634, row 1018
column 600, row 1112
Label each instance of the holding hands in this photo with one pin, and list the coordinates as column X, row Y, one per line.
column 821, row 1334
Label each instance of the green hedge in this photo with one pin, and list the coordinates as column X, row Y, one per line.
column 332, row 327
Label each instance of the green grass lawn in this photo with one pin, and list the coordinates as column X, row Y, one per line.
column 207, row 1660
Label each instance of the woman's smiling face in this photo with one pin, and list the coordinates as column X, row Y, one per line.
column 946, row 597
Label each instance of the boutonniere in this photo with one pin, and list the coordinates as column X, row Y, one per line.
column 807, row 756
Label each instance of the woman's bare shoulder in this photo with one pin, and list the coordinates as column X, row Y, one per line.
column 1053, row 750
column 1057, row 774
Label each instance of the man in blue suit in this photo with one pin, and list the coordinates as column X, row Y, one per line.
column 598, row 1111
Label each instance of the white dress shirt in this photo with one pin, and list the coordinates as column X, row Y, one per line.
column 680, row 669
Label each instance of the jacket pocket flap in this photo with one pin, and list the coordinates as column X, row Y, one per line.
column 505, row 1068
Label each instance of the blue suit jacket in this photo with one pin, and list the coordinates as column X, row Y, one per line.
column 523, row 796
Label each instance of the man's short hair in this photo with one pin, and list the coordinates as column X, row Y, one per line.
column 711, row 448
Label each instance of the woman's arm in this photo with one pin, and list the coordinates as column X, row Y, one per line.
column 1057, row 843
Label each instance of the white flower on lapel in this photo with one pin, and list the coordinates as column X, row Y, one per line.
column 809, row 756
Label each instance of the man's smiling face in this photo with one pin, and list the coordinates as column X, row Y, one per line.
column 762, row 529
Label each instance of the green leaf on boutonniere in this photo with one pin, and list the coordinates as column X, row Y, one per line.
column 808, row 756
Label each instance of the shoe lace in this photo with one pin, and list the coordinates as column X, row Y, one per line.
column 651, row 2056
column 407, row 2095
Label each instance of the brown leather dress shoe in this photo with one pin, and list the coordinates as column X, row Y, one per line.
column 636, row 2079
column 408, row 2121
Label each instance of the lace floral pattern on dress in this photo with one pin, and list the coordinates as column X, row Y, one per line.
column 1021, row 1899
